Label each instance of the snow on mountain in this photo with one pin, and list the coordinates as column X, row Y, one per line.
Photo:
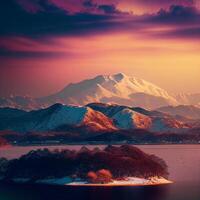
column 118, row 88
column 107, row 109
column 59, row 115
column 188, row 99
column 135, row 117
column 129, row 119
column 168, row 124
column 187, row 111
column 115, row 89
column 150, row 101
column 19, row 102
column 94, row 117
column 111, row 109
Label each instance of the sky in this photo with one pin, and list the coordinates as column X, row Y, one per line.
column 47, row 44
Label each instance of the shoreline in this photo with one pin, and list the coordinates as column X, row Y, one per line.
column 118, row 185
column 85, row 185
column 66, row 181
column 81, row 184
column 129, row 182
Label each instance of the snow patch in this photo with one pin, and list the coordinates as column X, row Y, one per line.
column 129, row 181
column 129, row 119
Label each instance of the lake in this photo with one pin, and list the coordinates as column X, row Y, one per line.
column 184, row 168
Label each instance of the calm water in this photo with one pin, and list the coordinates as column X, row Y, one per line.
column 184, row 169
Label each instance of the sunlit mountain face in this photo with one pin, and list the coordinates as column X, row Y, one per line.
column 78, row 75
column 47, row 44
column 119, row 89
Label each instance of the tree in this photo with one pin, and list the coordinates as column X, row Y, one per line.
column 91, row 177
column 103, row 176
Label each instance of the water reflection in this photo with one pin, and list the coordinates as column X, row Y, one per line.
column 177, row 191
column 184, row 168
column 42, row 192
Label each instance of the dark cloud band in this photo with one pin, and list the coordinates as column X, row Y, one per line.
column 50, row 20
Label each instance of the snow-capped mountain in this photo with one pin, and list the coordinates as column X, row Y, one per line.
column 168, row 124
column 190, row 112
column 188, row 99
column 107, row 109
column 138, row 118
column 56, row 117
column 90, row 118
column 19, row 102
column 115, row 89
column 111, row 109
column 129, row 119
column 118, row 88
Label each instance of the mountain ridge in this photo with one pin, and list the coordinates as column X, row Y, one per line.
column 116, row 89
column 188, row 111
column 60, row 117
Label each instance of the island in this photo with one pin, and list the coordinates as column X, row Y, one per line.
column 124, row 165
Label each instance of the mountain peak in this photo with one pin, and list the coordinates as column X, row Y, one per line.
column 116, row 77
column 118, row 88
column 56, row 106
column 119, row 76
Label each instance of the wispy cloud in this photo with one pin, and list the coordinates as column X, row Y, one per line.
column 29, row 28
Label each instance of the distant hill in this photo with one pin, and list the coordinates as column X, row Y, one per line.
column 55, row 117
column 190, row 112
column 189, row 99
column 90, row 118
column 135, row 117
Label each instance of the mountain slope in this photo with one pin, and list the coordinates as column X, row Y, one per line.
column 57, row 116
column 190, row 112
column 107, row 109
column 129, row 119
column 118, row 88
column 115, row 89
column 94, row 117
column 6, row 113
column 135, row 117
column 19, row 102
column 9, row 114
column 189, row 99
column 111, row 109
column 168, row 124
